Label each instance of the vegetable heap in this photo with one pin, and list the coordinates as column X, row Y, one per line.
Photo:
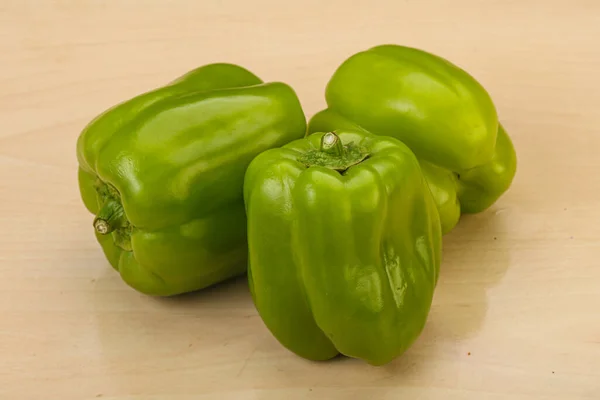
column 337, row 221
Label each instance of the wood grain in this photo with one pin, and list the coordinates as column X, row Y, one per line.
column 516, row 311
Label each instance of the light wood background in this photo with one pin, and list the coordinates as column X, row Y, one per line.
column 516, row 313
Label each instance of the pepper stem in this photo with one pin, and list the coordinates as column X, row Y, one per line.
column 109, row 218
column 331, row 144
column 333, row 154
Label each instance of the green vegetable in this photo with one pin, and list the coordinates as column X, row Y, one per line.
column 344, row 245
column 163, row 173
column 440, row 111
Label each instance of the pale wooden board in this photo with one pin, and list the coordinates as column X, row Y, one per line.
column 520, row 283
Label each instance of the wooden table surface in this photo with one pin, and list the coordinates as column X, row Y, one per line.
column 516, row 313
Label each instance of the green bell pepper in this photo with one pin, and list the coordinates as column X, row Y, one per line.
column 436, row 108
column 344, row 245
column 163, row 173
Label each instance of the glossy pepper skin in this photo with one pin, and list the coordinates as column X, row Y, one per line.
column 163, row 173
column 344, row 245
column 440, row 111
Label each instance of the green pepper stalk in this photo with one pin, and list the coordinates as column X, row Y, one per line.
column 331, row 144
column 110, row 217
